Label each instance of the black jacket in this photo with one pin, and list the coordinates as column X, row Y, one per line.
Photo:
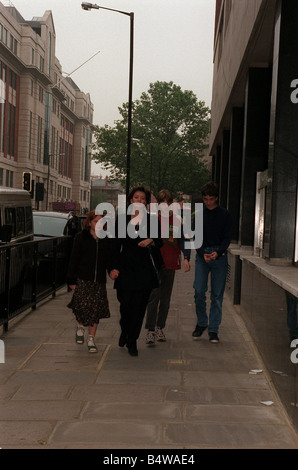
column 134, row 263
column 217, row 230
column 89, row 258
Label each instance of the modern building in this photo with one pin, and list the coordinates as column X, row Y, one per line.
column 45, row 119
column 254, row 146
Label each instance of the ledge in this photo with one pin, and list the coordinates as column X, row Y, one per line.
column 284, row 276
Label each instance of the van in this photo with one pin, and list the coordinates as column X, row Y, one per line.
column 56, row 224
column 16, row 219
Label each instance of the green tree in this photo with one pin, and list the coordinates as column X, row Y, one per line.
column 169, row 130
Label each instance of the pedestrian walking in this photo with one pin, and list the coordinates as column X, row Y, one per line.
column 134, row 267
column 211, row 258
column 171, row 250
column 86, row 277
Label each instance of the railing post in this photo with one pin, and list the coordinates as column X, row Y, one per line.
column 7, row 287
column 54, row 268
column 34, row 276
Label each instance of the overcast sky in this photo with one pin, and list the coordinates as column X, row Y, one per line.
column 173, row 41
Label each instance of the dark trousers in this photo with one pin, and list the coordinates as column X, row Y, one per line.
column 159, row 301
column 133, row 306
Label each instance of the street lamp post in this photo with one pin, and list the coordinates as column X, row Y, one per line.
column 89, row 6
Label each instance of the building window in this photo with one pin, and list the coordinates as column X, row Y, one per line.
column 2, row 117
column 13, row 46
column 60, row 164
column 40, row 95
column 32, row 57
column 69, row 161
column 220, row 40
column 4, row 73
column 1, row 176
column 12, row 80
column 32, row 88
column 49, row 52
column 65, row 173
column 30, row 134
column 39, row 139
column 11, row 129
column 54, row 143
column 54, row 108
column 83, row 165
column 4, row 35
column 9, row 179
column 41, row 64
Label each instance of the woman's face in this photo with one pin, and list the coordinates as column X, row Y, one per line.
column 139, row 197
column 94, row 222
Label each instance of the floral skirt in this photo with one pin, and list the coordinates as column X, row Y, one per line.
column 89, row 302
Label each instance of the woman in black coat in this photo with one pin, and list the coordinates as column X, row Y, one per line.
column 86, row 277
column 134, row 268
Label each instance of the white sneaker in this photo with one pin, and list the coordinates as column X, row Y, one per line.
column 91, row 345
column 150, row 337
column 159, row 334
column 80, row 335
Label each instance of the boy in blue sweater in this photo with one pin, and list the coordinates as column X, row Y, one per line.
column 211, row 258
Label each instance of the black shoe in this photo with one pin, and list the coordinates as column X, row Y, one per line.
column 199, row 330
column 122, row 340
column 213, row 338
column 132, row 349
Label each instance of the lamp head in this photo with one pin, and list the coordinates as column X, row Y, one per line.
column 86, row 6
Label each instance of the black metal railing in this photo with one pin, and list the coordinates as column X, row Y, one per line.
column 30, row 272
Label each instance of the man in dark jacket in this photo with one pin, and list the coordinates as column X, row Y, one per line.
column 211, row 258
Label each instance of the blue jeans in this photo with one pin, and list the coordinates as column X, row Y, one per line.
column 218, row 269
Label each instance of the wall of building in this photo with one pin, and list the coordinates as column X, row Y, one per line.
column 253, row 143
column 266, row 314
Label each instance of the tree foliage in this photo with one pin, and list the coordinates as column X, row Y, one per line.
column 169, row 130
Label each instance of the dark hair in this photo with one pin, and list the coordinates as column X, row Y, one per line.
column 142, row 189
column 164, row 195
column 210, row 189
column 89, row 217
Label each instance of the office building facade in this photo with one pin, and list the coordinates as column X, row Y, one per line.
column 254, row 146
column 45, row 119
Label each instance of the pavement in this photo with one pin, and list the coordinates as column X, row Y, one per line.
column 181, row 394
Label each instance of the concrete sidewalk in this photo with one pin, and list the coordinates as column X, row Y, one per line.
column 182, row 394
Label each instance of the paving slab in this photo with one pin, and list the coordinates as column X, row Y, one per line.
column 181, row 394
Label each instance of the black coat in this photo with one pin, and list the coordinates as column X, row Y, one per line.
column 89, row 258
column 134, row 263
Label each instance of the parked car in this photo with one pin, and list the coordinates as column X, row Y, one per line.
column 56, row 224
